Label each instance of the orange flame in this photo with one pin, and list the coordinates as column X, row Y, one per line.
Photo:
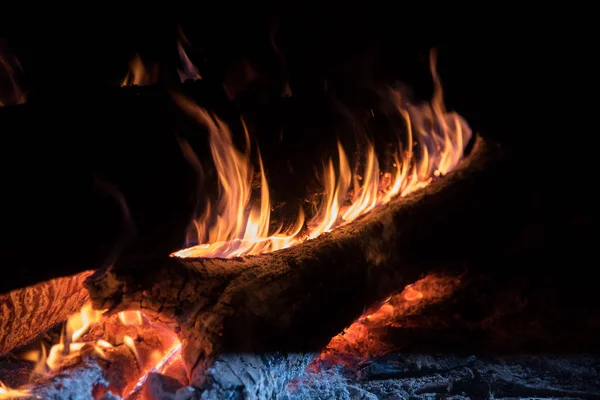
column 75, row 342
column 131, row 318
column 69, row 346
column 140, row 74
column 235, row 232
column 159, row 365
column 439, row 136
column 7, row 393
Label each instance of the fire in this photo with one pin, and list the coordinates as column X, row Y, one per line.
column 237, row 225
column 10, row 89
column 363, row 338
column 189, row 70
column 131, row 318
column 7, row 393
column 235, row 232
column 140, row 74
column 159, row 366
column 91, row 333
column 70, row 346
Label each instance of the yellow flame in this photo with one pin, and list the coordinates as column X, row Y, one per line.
column 73, row 343
column 131, row 318
column 140, row 74
column 130, row 344
column 240, row 227
column 69, row 345
column 435, row 141
column 7, row 393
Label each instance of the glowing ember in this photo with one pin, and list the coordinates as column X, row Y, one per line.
column 360, row 340
column 125, row 339
column 236, row 226
column 159, row 367
column 140, row 74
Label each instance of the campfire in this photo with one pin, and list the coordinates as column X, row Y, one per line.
column 253, row 307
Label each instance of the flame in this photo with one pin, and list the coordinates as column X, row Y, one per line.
column 140, row 74
column 79, row 338
column 72, row 343
column 189, row 70
column 10, row 90
column 131, row 318
column 237, row 226
column 235, row 231
column 130, row 344
column 7, row 393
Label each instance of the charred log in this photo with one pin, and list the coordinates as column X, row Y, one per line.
column 27, row 312
column 295, row 300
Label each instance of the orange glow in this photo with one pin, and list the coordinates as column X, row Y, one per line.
column 238, row 225
column 131, row 318
column 70, row 346
column 361, row 339
column 140, row 74
column 152, row 349
column 159, row 365
column 7, row 393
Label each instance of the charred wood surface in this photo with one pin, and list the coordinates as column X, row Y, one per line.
column 26, row 313
column 295, row 300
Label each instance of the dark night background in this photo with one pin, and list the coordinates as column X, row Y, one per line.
column 509, row 74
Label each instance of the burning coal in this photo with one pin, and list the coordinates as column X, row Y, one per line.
column 360, row 340
column 125, row 347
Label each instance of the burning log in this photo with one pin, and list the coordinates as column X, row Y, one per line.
column 235, row 317
column 27, row 312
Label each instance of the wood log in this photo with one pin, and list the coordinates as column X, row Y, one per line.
column 293, row 301
column 26, row 313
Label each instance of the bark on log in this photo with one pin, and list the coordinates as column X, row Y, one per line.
column 294, row 300
column 27, row 312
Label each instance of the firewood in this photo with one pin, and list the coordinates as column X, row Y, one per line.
column 26, row 313
column 289, row 303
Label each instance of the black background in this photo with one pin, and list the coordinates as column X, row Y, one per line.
column 518, row 77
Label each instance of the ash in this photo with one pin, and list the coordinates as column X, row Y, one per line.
column 78, row 383
column 412, row 376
